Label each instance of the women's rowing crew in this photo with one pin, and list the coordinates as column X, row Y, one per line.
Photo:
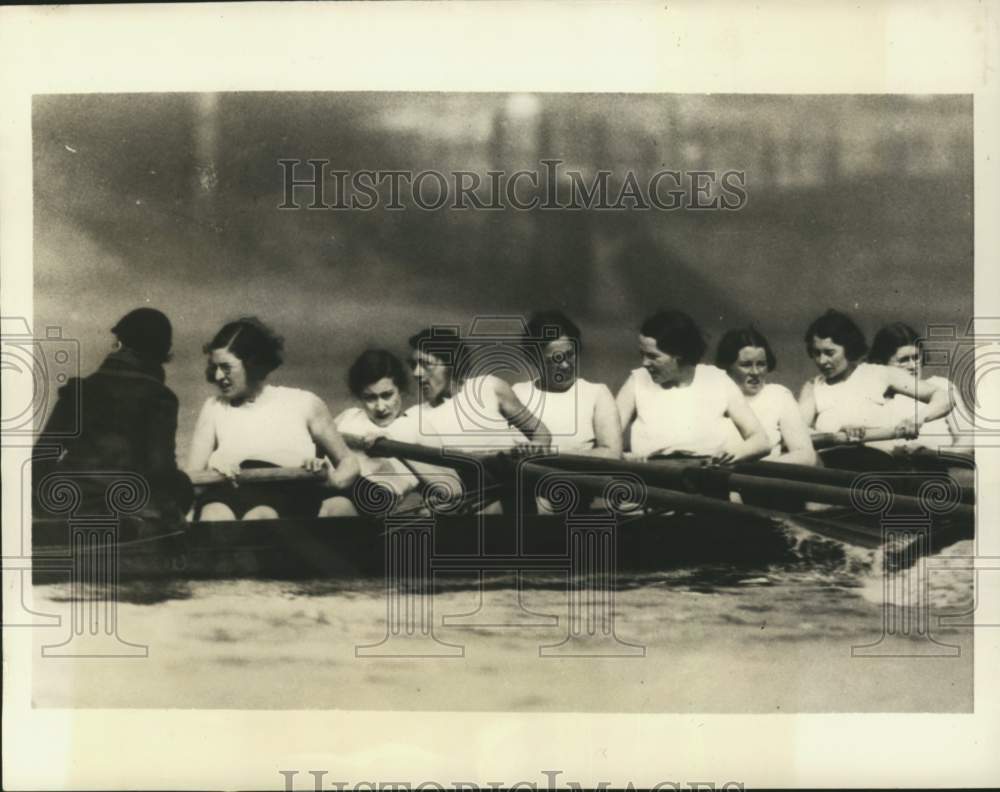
column 672, row 405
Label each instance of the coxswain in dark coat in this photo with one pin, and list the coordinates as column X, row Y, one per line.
column 127, row 421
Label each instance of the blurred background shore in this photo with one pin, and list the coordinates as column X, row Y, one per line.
column 863, row 203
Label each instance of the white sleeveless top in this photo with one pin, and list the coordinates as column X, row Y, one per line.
column 859, row 400
column 768, row 405
column 691, row 419
column 471, row 419
column 273, row 428
column 933, row 434
column 568, row 415
column 387, row 471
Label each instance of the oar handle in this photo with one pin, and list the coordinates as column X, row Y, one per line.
column 442, row 457
column 822, row 440
column 208, row 478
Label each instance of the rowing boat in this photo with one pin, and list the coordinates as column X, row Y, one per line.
column 637, row 516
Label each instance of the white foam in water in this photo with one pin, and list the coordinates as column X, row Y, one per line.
column 835, row 556
column 947, row 586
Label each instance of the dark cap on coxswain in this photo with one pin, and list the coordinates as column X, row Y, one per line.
column 147, row 332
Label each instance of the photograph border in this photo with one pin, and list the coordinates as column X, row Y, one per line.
column 768, row 47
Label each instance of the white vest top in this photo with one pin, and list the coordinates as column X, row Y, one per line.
column 859, row 400
column 471, row 419
column 768, row 406
column 386, row 471
column 272, row 428
column 690, row 419
column 568, row 415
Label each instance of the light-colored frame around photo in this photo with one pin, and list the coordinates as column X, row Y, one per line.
column 947, row 46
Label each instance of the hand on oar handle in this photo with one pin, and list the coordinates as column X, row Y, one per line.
column 908, row 429
column 315, row 464
column 720, row 459
column 525, row 450
column 230, row 471
column 854, row 434
column 321, row 467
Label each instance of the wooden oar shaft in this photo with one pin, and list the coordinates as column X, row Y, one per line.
column 672, row 474
column 659, row 497
column 822, row 440
column 780, row 471
column 456, row 459
column 280, row 475
column 824, row 493
column 693, row 478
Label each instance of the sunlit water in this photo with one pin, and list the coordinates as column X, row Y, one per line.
column 713, row 639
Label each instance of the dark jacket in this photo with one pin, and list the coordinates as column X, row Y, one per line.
column 127, row 421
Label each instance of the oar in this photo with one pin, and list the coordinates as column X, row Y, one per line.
column 686, row 475
column 836, row 478
column 821, row 440
column 279, row 475
column 456, row 459
column 693, row 478
column 865, row 536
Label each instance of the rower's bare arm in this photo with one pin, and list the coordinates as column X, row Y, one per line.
column 755, row 443
column 325, row 435
column 202, row 441
column 807, row 404
column 519, row 416
column 607, row 427
column 795, row 436
column 626, row 405
column 938, row 399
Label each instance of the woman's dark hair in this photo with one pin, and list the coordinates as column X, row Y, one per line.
column 840, row 329
column 889, row 339
column 676, row 334
column 444, row 343
column 253, row 342
column 734, row 340
column 373, row 365
column 548, row 325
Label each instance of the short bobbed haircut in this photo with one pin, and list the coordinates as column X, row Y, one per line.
column 444, row 343
column 258, row 347
column 373, row 365
column 889, row 339
column 676, row 334
column 734, row 340
column 840, row 329
column 551, row 324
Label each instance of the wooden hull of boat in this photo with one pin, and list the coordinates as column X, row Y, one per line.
column 362, row 547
